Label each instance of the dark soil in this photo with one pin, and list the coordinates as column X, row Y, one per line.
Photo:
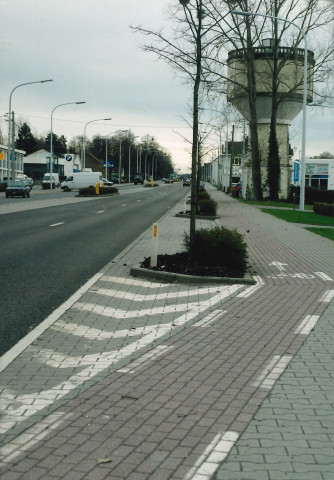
column 182, row 263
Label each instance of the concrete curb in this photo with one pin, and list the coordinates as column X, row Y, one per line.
column 182, row 278
column 198, row 217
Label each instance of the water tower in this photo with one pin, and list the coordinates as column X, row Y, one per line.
column 290, row 96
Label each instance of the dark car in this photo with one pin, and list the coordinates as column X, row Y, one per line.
column 186, row 182
column 138, row 178
column 19, row 188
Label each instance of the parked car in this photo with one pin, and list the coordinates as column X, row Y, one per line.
column 237, row 189
column 186, row 182
column 18, row 188
column 29, row 181
column 114, row 179
column 107, row 183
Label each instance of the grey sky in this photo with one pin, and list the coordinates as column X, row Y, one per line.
column 87, row 47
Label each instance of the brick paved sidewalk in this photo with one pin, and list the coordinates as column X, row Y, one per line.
column 147, row 380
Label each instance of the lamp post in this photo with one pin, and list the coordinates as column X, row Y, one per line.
column 84, row 138
column 302, row 160
column 130, row 158
column 120, row 157
column 51, row 135
column 9, row 124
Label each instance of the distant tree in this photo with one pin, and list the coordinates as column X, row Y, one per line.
column 326, row 155
column 26, row 140
column 59, row 144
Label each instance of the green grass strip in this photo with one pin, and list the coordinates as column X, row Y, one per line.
column 295, row 216
column 324, row 232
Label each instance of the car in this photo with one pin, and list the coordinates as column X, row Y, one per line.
column 138, row 178
column 114, row 179
column 237, row 189
column 186, row 182
column 107, row 183
column 29, row 181
column 169, row 180
column 18, row 188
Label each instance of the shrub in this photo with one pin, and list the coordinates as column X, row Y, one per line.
column 207, row 206
column 219, row 247
column 103, row 191
column 324, row 209
column 203, row 194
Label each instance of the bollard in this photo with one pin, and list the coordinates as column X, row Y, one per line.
column 184, row 206
column 154, row 248
column 97, row 189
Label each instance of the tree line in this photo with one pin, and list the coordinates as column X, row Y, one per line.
column 146, row 155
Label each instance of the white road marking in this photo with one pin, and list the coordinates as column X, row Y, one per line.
column 137, row 283
column 249, row 291
column 152, row 355
column 100, row 211
column 210, row 318
column 57, row 224
column 214, row 454
column 272, row 371
column 279, row 265
column 124, row 205
column 158, row 296
column 323, row 276
column 307, row 325
column 21, row 407
column 15, row 351
column 327, row 296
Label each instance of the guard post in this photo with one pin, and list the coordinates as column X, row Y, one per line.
column 154, row 247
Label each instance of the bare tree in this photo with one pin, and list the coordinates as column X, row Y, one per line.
column 187, row 49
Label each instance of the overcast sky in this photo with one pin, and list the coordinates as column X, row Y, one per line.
column 88, row 49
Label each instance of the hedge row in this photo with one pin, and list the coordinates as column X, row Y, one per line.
column 92, row 191
column 206, row 205
column 312, row 195
column 324, row 209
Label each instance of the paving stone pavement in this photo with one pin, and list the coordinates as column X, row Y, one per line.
column 144, row 379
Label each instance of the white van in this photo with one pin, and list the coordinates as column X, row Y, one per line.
column 82, row 180
column 46, row 181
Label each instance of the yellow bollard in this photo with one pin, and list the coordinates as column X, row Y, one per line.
column 97, row 189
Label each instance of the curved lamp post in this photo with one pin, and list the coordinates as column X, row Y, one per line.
column 302, row 160
column 51, row 138
column 84, row 138
column 9, row 124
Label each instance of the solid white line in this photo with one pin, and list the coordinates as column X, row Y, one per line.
column 327, row 296
column 208, row 319
column 307, row 325
column 249, row 291
column 152, row 355
column 137, row 283
column 57, row 224
column 272, row 371
column 323, row 276
column 15, row 351
column 214, row 454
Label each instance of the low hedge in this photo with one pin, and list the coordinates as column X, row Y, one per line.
column 207, row 206
column 103, row 191
column 312, row 195
column 219, row 247
column 324, row 209
column 203, row 195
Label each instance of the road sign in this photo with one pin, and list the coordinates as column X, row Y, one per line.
column 108, row 164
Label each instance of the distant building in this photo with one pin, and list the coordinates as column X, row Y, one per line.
column 38, row 163
column 319, row 173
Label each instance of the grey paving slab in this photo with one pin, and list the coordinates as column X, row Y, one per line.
column 149, row 379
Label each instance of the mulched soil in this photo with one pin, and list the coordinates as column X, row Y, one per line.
column 182, row 263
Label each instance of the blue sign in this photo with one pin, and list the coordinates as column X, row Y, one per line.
column 108, row 164
column 296, row 166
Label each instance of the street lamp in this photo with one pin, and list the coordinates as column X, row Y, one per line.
column 130, row 157
column 120, row 156
column 84, row 138
column 51, row 135
column 302, row 160
column 9, row 124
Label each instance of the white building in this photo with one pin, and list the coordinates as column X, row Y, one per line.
column 38, row 163
column 319, row 173
column 18, row 160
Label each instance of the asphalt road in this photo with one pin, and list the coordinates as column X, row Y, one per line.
column 48, row 253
